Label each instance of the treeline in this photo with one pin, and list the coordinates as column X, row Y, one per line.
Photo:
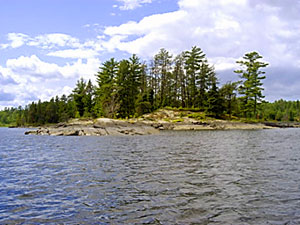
column 130, row 88
column 53, row 111
column 282, row 110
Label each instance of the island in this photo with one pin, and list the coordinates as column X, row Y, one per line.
column 152, row 123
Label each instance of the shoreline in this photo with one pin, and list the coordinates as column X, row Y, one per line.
column 104, row 127
column 149, row 124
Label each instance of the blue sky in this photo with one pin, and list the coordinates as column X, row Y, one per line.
column 47, row 45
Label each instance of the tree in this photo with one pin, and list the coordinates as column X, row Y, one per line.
column 228, row 93
column 214, row 100
column 62, row 109
column 162, row 68
column 193, row 60
column 106, row 98
column 205, row 80
column 251, row 84
column 129, row 85
column 88, row 99
column 180, row 80
column 79, row 95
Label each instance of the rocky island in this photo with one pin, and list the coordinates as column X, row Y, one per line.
column 148, row 124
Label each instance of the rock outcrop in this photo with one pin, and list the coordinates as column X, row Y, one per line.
column 99, row 127
column 149, row 124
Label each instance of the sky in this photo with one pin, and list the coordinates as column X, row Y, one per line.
column 47, row 45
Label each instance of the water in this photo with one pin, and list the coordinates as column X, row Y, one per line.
column 209, row 177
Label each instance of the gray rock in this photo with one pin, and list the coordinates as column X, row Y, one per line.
column 101, row 127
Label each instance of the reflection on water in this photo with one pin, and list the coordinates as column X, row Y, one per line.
column 206, row 177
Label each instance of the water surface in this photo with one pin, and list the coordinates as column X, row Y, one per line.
column 203, row 177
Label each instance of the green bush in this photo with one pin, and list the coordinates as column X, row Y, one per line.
column 199, row 116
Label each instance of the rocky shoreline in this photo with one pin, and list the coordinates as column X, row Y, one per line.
column 103, row 127
column 149, row 124
column 99, row 127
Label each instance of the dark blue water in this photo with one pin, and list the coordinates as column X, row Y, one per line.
column 205, row 177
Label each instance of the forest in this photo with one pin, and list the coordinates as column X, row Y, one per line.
column 130, row 88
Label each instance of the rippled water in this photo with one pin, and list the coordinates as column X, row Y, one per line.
column 204, row 177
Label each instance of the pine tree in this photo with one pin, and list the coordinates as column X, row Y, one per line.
column 129, row 85
column 228, row 93
column 205, row 80
column 78, row 95
column 251, row 85
column 163, row 75
column 180, row 85
column 106, row 92
column 193, row 61
column 88, row 99
column 214, row 99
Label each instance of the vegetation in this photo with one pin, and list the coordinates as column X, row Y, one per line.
column 131, row 88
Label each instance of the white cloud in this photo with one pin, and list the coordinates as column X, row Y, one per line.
column 46, row 41
column 17, row 39
column 54, row 40
column 4, row 46
column 79, row 69
column 132, row 4
column 222, row 28
column 224, row 63
column 75, row 53
column 32, row 67
column 30, row 78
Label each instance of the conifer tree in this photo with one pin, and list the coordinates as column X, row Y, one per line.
column 79, row 95
column 251, row 84
column 180, row 84
column 106, row 98
column 193, row 60
column 162, row 71
column 214, row 100
column 228, row 93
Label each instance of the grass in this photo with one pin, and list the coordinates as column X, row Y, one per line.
column 198, row 116
column 178, row 120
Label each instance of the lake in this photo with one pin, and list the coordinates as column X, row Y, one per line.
column 203, row 177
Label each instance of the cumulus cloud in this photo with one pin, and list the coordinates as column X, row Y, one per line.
column 28, row 78
column 132, row 4
column 32, row 66
column 54, row 40
column 222, row 28
column 16, row 40
column 46, row 41
column 5, row 80
column 75, row 53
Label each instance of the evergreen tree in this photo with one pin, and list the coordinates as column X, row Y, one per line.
column 88, row 99
column 79, row 94
column 228, row 93
column 123, row 86
column 193, row 60
column 129, row 83
column 106, row 93
column 179, row 91
column 214, row 100
column 163, row 75
column 62, row 109
column 251, row 85
column 205, row 81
